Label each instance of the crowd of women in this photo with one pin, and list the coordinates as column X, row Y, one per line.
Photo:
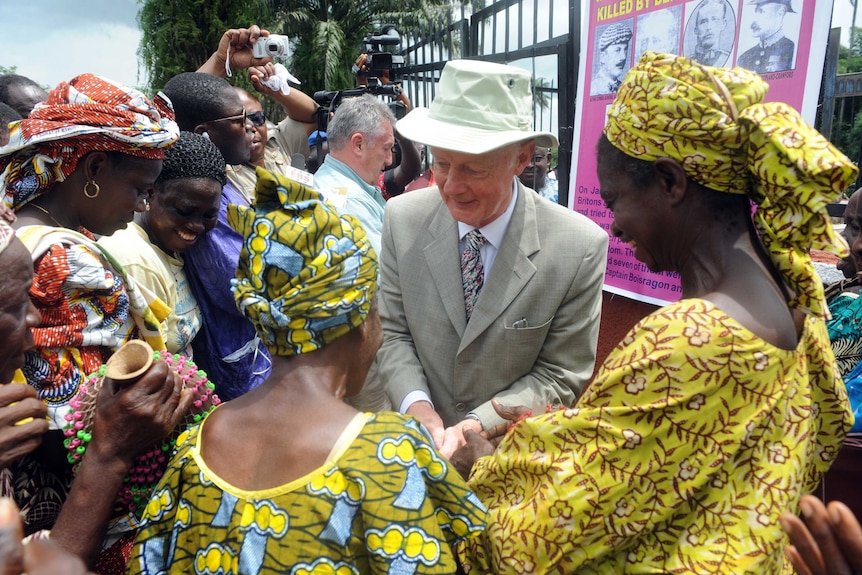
column 669, row 462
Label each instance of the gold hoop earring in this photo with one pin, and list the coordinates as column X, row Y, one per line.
column 95, row 185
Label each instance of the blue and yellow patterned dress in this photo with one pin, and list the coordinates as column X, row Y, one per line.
column 385, row 502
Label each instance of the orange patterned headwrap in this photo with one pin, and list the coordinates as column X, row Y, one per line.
column 715, row 123
column 86, row 114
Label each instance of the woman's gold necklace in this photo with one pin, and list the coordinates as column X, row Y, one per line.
column 47, row 213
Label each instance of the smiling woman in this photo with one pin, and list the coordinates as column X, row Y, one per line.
column 182, row 206
column 716, row 413
column 81, row 165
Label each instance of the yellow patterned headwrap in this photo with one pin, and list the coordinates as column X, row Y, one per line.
column 714, row 121
column 306, row 275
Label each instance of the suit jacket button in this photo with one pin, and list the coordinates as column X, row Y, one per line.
column 460, row 407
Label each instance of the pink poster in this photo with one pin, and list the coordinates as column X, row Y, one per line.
column 783, row 40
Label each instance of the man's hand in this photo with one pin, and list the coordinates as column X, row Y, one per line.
column 829, row 542
column 427, row 416
column 361, row 72
column 257, row 75
column 239, row 42
column 131, row 418
column 23, row 424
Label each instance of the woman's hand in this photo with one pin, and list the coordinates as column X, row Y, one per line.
column 34, row 558
column 23, row 424
column 475, row 446
column 132, row 418
column 481, row 444
column 828, row 542
column 512, row 414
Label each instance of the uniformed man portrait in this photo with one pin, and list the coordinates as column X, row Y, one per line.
column 774, row 51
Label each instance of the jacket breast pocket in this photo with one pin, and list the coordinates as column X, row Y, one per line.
column 523, row 342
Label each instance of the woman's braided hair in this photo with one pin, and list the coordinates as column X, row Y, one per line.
column 193, row 156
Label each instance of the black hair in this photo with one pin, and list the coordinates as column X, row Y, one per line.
column 193, row 156
column 7, row 114
column 198, row 98
column 8, row 81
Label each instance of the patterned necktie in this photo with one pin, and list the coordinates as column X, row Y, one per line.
column 472, row 274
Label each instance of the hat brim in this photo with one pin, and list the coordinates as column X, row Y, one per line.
column 419, row 127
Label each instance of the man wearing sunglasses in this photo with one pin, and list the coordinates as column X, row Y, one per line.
column 272, row 149
column 227, row 346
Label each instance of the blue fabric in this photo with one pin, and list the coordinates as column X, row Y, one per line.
column 364, row 200
column 210, row 266
column 853, row 383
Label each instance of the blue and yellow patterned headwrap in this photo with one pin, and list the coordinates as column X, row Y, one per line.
column 714, row 121
column 306, row 275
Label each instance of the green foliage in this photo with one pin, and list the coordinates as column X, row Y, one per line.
column 850, row 58
column 541, row 98
column 180, row 35
column 10, row 70
column 328, row 33
column 846, row 132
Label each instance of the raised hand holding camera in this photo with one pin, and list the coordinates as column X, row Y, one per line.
column 235, row 52
column 272, row 46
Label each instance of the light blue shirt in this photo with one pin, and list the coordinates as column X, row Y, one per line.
column 364, row 200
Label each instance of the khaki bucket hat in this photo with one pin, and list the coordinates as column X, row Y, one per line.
column 479, row 107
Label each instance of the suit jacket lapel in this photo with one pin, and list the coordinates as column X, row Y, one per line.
column 512, row 267
column 443, row 257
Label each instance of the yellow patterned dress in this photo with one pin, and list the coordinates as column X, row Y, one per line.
column 386, row 502
column 679, row 458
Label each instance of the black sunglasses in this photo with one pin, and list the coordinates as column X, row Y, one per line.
column 257, row 118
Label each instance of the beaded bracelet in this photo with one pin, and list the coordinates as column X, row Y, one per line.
column 148, row 467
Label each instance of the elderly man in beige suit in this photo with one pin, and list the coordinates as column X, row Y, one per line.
column 509, row 312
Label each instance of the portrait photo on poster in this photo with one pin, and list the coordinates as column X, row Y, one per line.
column 611, row 57
column 768, row 35
column 658, row 31
column 710, row 30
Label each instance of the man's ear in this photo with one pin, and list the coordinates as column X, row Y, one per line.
column 357, row 143
column 671, row 176
column 525, row 155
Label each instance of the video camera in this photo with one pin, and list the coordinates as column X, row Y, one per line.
column 379, row 60
column 328, row 101
column 381, row 47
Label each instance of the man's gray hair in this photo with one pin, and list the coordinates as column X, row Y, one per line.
column 364, row 114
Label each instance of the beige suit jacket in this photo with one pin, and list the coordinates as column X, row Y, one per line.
column 548, row 271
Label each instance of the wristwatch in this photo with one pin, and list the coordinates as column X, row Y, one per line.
column 472, row 415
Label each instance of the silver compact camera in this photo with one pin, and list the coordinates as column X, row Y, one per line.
column 272, row 46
